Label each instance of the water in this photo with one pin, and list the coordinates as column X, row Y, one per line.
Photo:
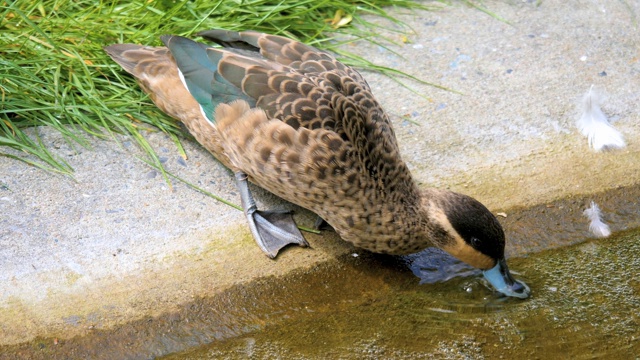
column 585, row 304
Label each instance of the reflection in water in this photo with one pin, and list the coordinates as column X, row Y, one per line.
column 433, row 265
column 584, row 304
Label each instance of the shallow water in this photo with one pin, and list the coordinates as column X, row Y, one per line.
column 585, row 304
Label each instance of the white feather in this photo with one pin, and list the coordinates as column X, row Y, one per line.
column 596, row 226
column 184, row 83
column 594, row 124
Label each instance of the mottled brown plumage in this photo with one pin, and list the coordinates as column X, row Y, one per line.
column 307, row 128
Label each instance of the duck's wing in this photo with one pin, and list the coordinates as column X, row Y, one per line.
column 198, row 71
column 308, row 88
column 303, row 92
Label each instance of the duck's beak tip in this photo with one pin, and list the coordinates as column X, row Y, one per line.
column 500, row 278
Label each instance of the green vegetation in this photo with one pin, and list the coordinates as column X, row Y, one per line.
column 54, row 72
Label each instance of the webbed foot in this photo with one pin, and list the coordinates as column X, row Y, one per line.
column 272, row 230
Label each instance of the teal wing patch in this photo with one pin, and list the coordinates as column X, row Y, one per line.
column 198, row 65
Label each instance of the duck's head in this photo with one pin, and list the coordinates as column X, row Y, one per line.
column 466, row 229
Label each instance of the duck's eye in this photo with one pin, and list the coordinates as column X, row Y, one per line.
column 475, row 242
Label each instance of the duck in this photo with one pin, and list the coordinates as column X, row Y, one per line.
column 297, row 122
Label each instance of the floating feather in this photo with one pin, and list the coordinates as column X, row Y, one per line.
column 594, row 124
column 597, row 226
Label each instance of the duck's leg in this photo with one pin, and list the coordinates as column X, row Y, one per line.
column 272, row 230
column 320, row 224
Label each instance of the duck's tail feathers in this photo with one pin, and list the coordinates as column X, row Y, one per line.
column 128, row 55
column 158, row 75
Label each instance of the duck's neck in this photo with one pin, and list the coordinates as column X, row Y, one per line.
column 434, row 225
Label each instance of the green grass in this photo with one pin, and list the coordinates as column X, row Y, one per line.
column 53, row 71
